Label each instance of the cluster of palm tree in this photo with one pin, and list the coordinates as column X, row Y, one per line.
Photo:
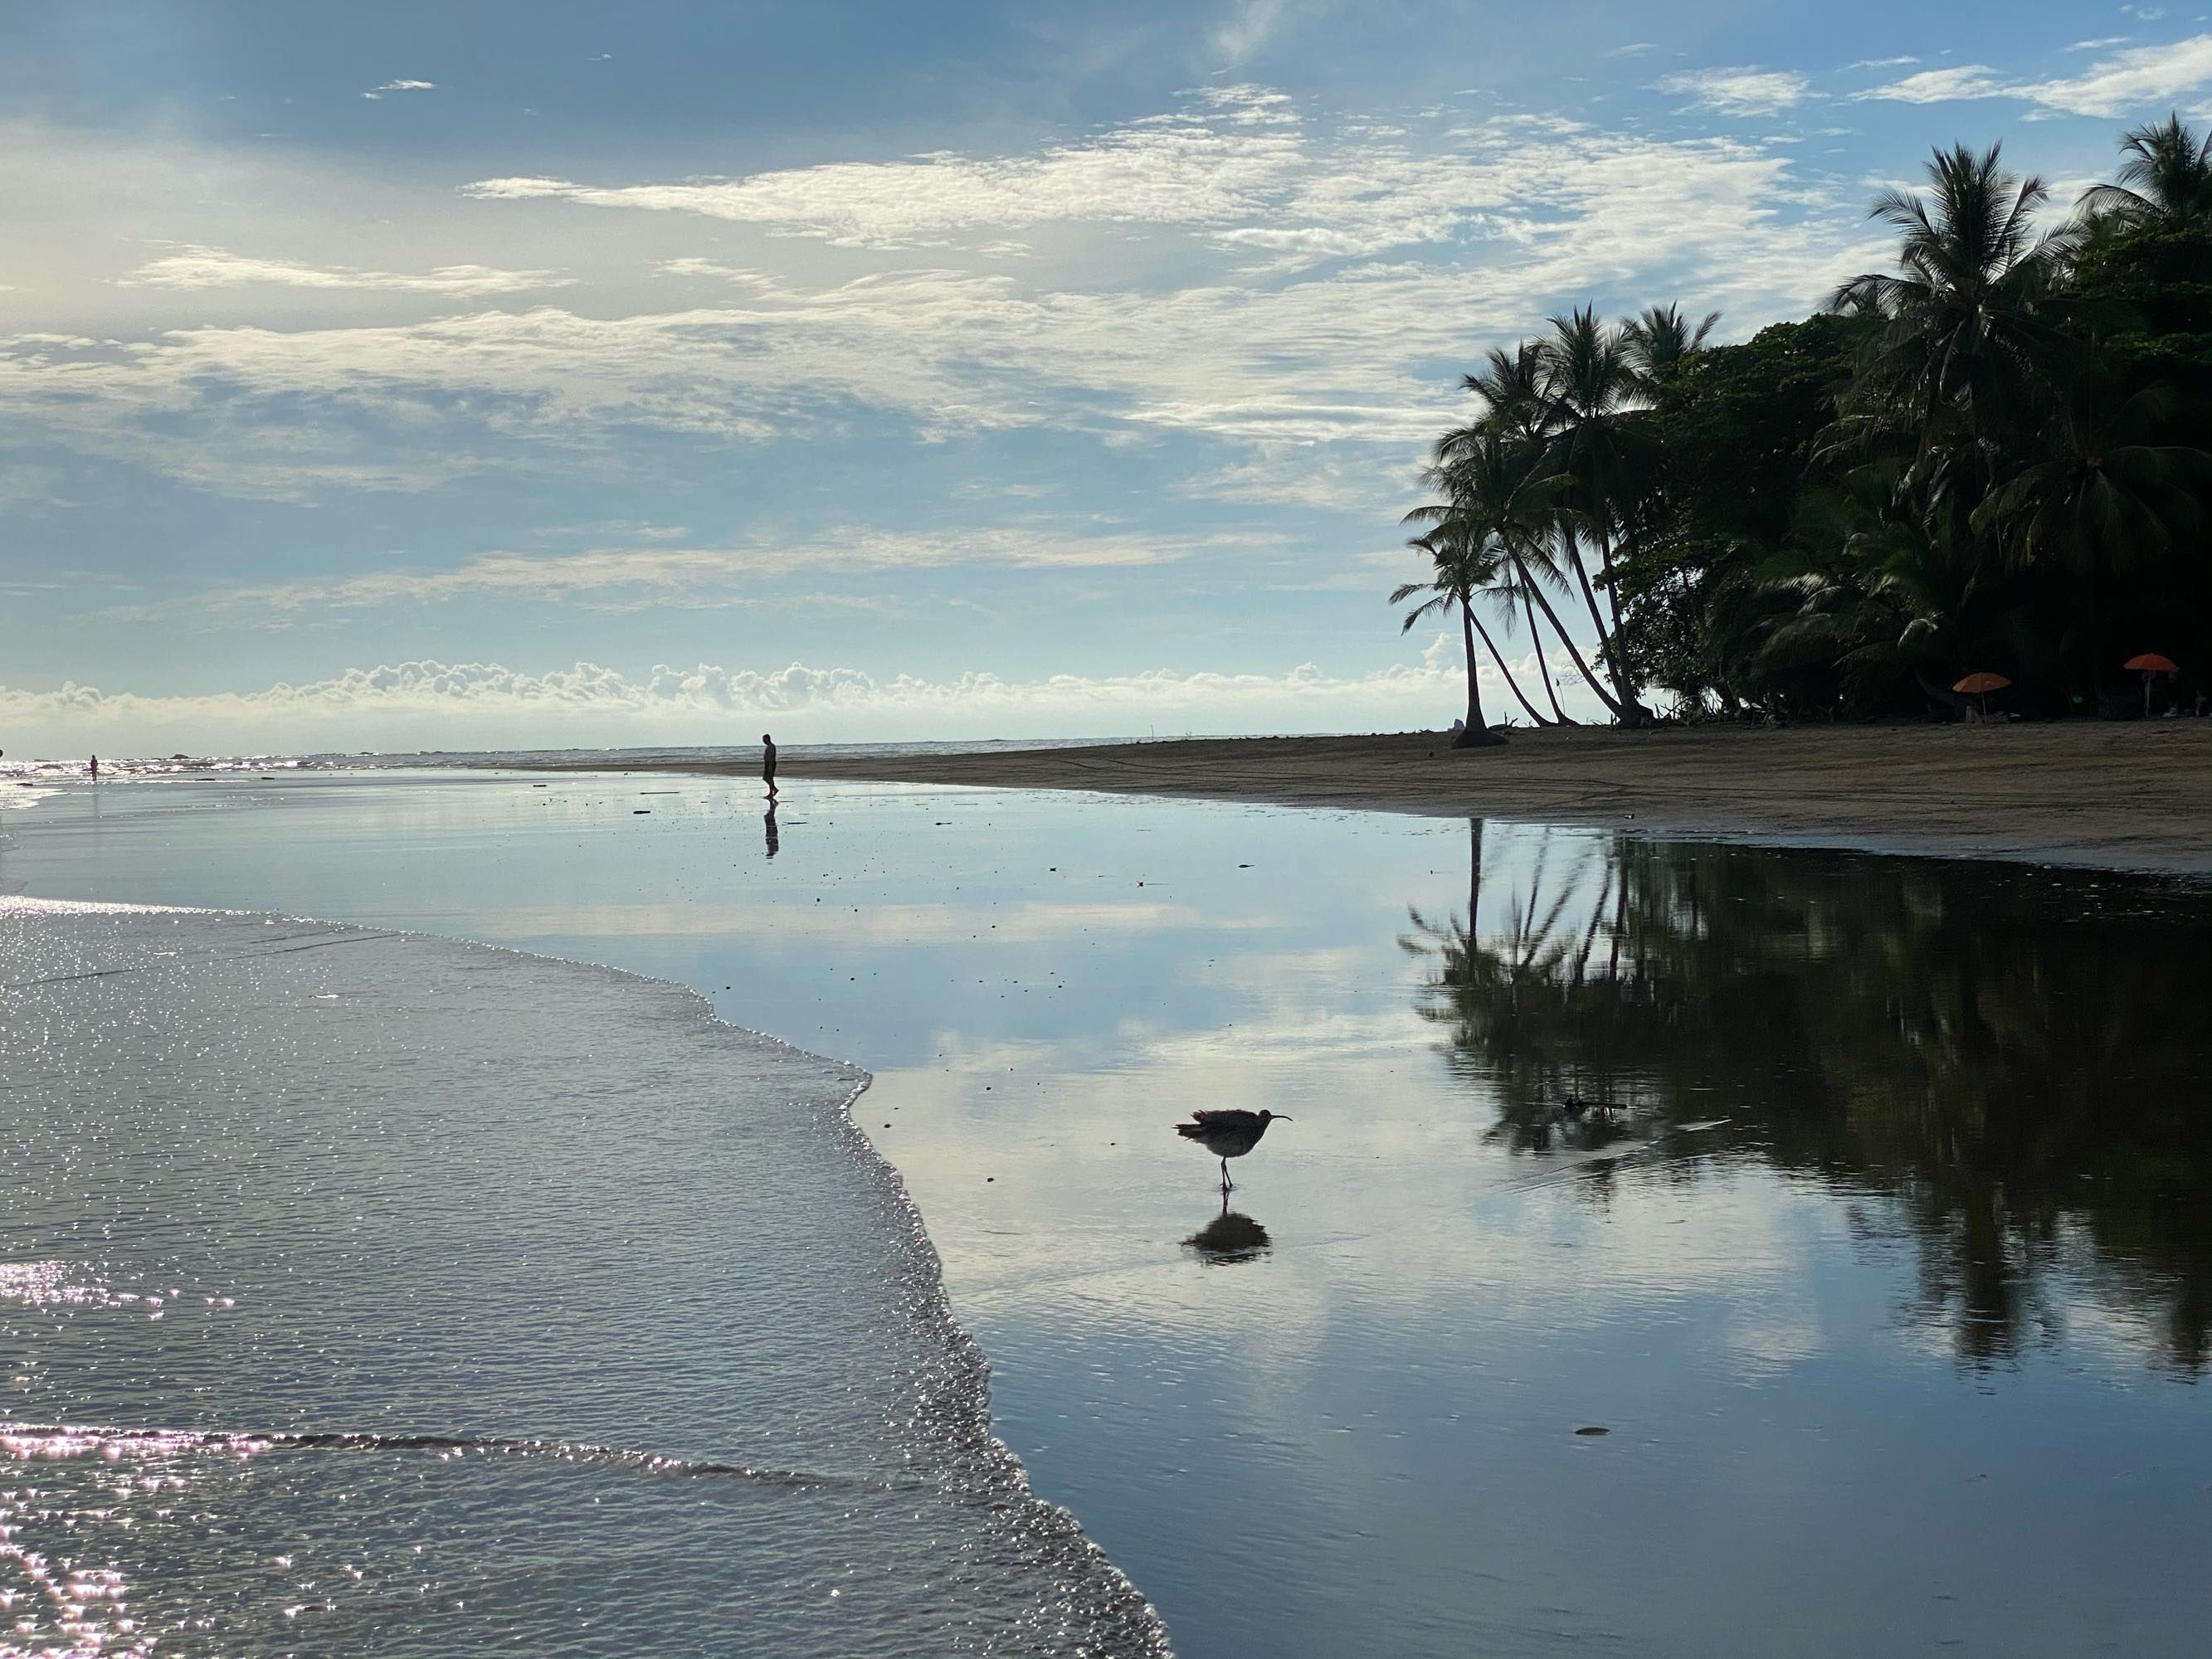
column 1992, row 457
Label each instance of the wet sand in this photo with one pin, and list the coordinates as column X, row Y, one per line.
column 2127, row 796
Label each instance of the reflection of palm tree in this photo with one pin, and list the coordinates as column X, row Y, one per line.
column 2021, row 1080
column 1228, row 1238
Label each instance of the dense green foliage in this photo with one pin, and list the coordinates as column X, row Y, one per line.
column 1993, row 458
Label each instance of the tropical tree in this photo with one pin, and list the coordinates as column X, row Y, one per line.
column 1996, row 454
column 2165, row 184
column 1462, row 566
column 1502, row 490
column 1594, row 407
column 2099, row 496
column 1662, row 341
column 1969, row 335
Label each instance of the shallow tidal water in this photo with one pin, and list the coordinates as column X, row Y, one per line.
column 1889, row 1280
column 363, row 1292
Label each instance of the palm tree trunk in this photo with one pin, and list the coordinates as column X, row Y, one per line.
column 1477, row 732
column 1543, row 667
column 1623, row 682
column 1565, row 639
column 1511, row 684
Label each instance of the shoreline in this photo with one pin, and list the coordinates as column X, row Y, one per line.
column 2124, row 796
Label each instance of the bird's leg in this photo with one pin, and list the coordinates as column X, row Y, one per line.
column 1227, row 1185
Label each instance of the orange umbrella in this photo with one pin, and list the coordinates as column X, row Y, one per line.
column 1980, row 685
column 2150, row 665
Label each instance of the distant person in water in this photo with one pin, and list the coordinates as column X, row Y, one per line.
column 768, row 762
column 95, row 769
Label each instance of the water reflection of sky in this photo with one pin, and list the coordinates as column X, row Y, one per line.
column 1888, row 1309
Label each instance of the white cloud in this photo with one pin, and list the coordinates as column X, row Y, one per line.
column 1362, row 265
column 433, row 704
column 1942, row 86
column 1634, row 49
column 1225, row 159
column 1884, row 63
column 194, row 265
column 2129, row 80
column 2138, row 79
column 1739, row 91
column 1247, row 28
column 637, row 578
column 375, row 92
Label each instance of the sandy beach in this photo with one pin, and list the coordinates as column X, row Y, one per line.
column 2134, row 796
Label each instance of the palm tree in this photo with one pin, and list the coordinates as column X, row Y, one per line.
column 1503, row 491
column 2166, row 183
column 2101, row 496
column 1463, row 568
column 1966, row 324
column 1596, row 405
column 1512, row 386
column 1661, row 342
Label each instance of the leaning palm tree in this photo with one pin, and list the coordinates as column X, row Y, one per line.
column 1504, row 492
column 1966, row 323
column 1600, row 438
column 1462, row 567
column 2166, row 183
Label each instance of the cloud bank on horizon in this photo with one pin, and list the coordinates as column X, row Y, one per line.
column 1046, row 373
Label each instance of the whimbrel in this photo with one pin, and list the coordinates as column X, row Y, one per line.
column 1227, row 1135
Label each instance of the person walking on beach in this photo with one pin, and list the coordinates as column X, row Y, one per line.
column 768, row 762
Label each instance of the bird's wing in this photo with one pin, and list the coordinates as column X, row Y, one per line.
column 1232, row 1117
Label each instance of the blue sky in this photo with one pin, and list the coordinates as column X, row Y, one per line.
column 530, row 374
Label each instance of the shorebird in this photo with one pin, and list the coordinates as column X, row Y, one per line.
column 1228, row 1134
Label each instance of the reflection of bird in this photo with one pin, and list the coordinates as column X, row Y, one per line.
column 1575, row 1106
column 1229, row 1237
column 1228, row 1134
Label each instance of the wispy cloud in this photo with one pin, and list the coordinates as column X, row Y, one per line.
column 196, row 266
column 2129, row 80
column 1942, row 86
column 1634, row 49
column 1739, row 91
column 1884, row 63
column 375, row 92
column 1366, row 261
column 1247, row 28
column 1215, row 162
column 2139, row 78
column 621, row 579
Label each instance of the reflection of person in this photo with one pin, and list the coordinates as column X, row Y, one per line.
column 770, row 821
column 768, row 762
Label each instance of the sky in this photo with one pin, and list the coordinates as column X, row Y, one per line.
column 537, row 374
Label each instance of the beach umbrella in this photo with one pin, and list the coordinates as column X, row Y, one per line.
column 2150, row 666
column 1980, row 685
